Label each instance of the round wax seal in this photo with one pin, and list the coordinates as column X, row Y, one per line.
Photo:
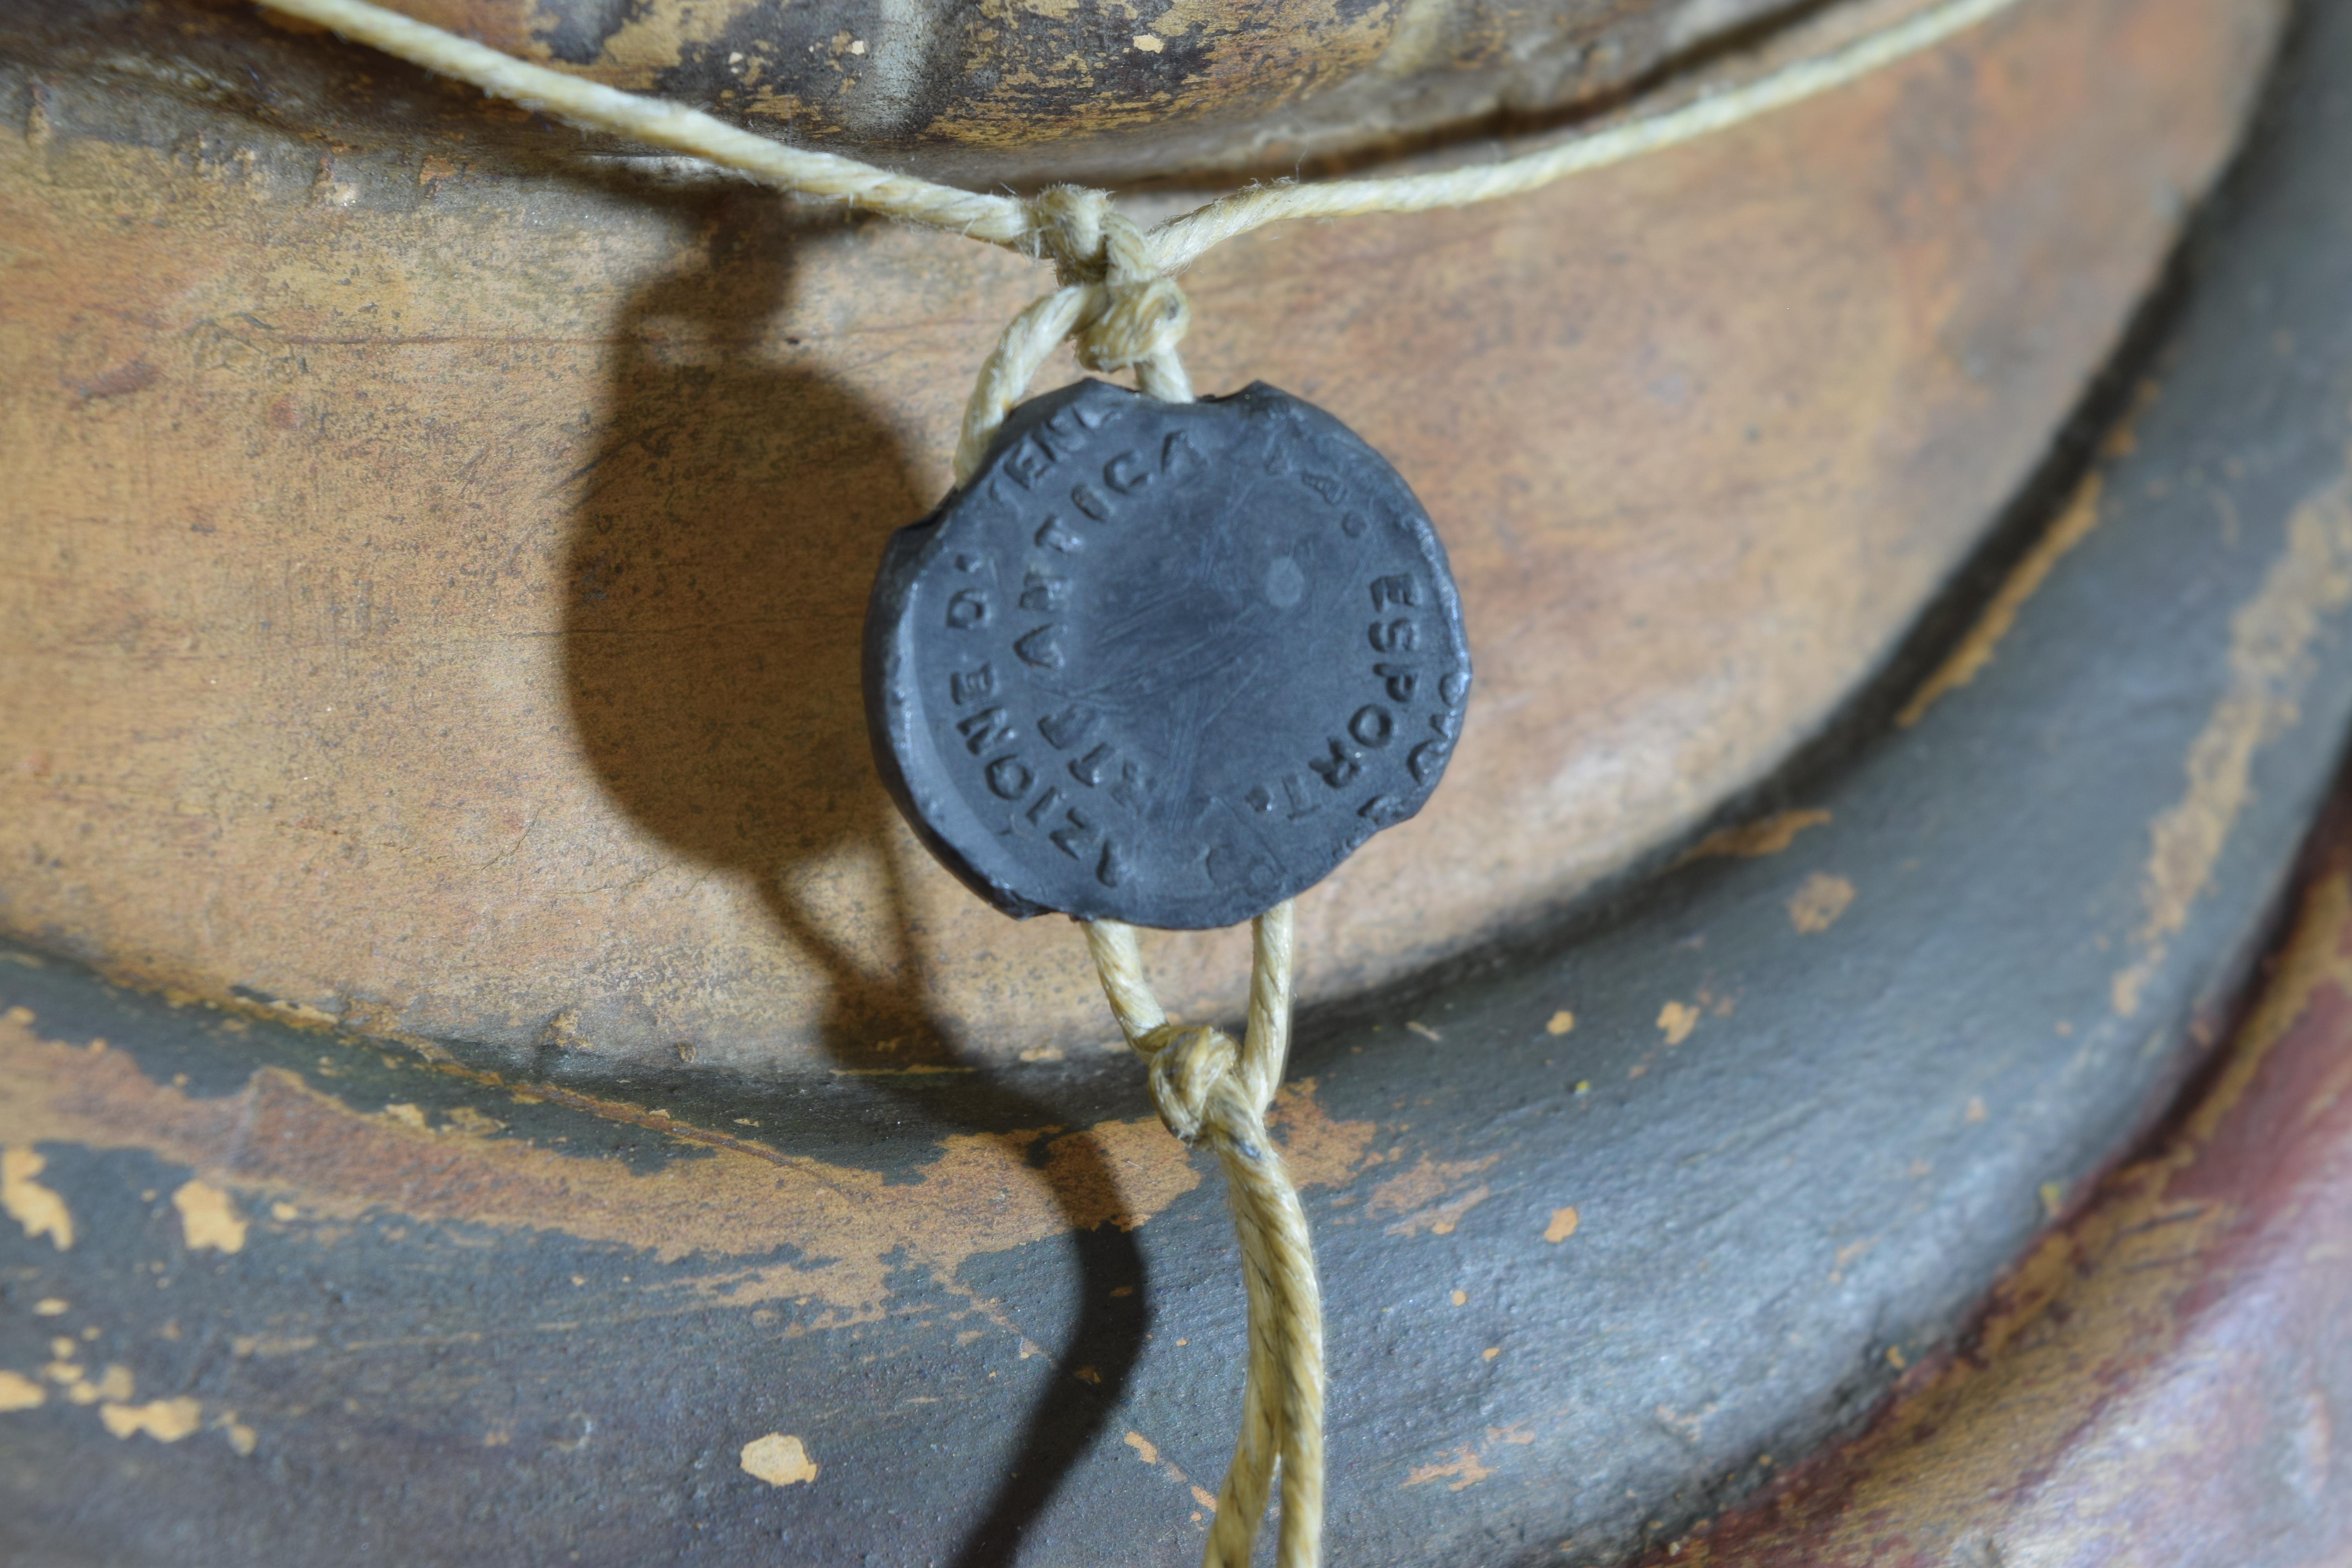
column 1164, row 663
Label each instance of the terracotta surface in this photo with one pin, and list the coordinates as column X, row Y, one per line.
column 2161, row 1383
column 432, row 572
column 1014, row 89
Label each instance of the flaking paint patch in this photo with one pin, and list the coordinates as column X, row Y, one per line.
column 1816, row 906
column 1976, row 649
column 1563, row 1224
column 114, row 1385
column 1149, row 1452
column 780, row 1459
column 1463, row 1468
column 2270, row 640
column 655, row 38
column 1677, row 1020
column 36, row 1207
column 208, row 1218
column 848, row 1229
column 241, row 1438
column 165, row 1420
column 1318, row 1148
column 19, row 1392
column 1751, row 839
column 1433, row 1195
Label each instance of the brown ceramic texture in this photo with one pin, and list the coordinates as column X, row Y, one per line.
column 431, row 565
column 1112, row 89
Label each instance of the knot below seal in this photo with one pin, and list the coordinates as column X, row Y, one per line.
column 1190, row 1065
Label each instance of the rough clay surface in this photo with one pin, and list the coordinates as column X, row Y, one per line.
column 432, row 558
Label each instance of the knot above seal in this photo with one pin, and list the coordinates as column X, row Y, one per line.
column 1164, row 663
column 1135, row 315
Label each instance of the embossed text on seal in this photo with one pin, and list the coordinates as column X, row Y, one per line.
column 1164, row 663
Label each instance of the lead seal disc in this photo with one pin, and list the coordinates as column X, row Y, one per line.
column 1164, row 663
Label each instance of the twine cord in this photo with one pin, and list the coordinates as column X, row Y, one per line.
column 1210, row 1092
column 1125, row 298
column 1117, row 302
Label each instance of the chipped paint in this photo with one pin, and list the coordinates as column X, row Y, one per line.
column 2269, row 637
column 1433, row 1195
column 780, row 1459
column 19, row 1392
column 242, row 1345
column 1848, row 1255
column 1770, row 836
column 1318, row 1148
column 1816, row 906
column 1464, row 1467
column 114, row 1385
column 280, row 1141
column 1149, row 1452
column 1563, row 1224
column 1559, row 1023
column 2071, row 526
column 36, row 1207
column 1677, row 1020
column 241, row 1438
column 659, row 36
column 165, row 1420
column 207, row 1217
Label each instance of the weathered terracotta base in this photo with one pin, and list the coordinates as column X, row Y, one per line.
column 2165, row 1381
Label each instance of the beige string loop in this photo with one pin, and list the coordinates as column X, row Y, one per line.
column 1115, row 302
column 1209, row 1091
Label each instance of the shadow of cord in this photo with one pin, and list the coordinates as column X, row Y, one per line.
column 730, row 523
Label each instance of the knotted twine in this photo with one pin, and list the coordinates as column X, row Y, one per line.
column 1120, row 312
column 1210, row 1092
column 1117, row 302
